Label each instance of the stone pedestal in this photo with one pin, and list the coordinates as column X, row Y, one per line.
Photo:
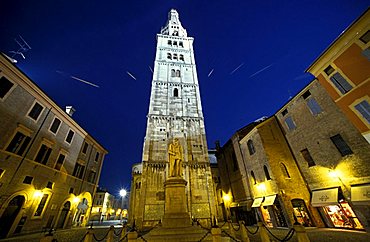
column 176, row 213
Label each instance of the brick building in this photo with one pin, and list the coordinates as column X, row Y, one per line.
column 49, row 165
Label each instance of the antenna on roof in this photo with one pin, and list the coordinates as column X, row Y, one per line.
column 23, row 48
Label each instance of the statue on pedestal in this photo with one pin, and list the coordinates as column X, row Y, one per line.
column 175, row 158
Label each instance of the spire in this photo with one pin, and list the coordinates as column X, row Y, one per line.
column 173, row 26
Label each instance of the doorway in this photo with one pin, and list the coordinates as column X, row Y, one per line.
column 63, row 215
column 10, row 214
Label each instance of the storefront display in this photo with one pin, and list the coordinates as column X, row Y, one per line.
column 342, row 216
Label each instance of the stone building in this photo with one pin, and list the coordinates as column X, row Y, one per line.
column 175, row 115
column 331, row 154
column 103, row 206
column 49, row 165
column 343, row 69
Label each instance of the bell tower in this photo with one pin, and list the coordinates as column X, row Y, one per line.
column 175, row 113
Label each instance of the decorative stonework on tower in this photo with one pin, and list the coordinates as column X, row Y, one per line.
column 175, row 146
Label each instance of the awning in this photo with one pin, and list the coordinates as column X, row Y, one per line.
column 360, row 194
column 257, row 202
column 269, row 200
column 325, row 197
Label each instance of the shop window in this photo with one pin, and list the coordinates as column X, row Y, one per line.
column 169, row 56
column 267, row 174
column 178, row 74
column 341, row 145
column 235, row 162
column 284, row 170
column 290, row 123
column 84, row 149
column 338, row 80
column 35, row 111
column 251, row 147
column 313, row 106
column 60, row 162
column 70, row 136
column 175, row 92
column 41, row 206
column 173, row 73
column 300, row 212
column 55, row 125
column 364, row 109
column 43, row 154
column 5, row 86
column 253, row 178
column 342, row 216
column 19, row 143
column 366, row 37
column 78, row 171
column 307, row 157
column 27, row 180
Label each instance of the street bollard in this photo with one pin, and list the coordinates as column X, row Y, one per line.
column 231, row 230
column 301, row 233
column 90, row 235
column 123, row 233
column 243, row 232
column 132, row 236
column 216, row 234
column 110, row 234
column 263, row 233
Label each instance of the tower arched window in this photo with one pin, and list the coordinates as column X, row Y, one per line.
column 253, row 178
column 251, row 147
column 181, row 44
column 284, row 170
column 175, row 56
column 181, row 57
column 169, row 42
column 178, row 74
column 175, row 43
column 169, row 56
column 173, row 73
column 267, row 174
column 175, row 92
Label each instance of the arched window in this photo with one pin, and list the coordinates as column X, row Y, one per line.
column 178, row 74
column 267, row 174
column 181, row 44
column 175, row 56
column 175, row 43
column 253, row 178
column 181, row 57
column 169, row 42
column 173, row 74
column 169, row 56
column 251, row 147
column 175, row 92
column 284, row 170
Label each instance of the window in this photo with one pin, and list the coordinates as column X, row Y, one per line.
column 290, row 123
column 169, row 56
column 35, row 111
column 366, row 37
column 41, row 206
column 92, row 176
column 341, row 145
column 70, row 190
column 97, row 156
column 178, row 74
column 175, row 56
column 173, row 73
column 43, row 154
column 313, row 106
column 181, row 57
column 19, row 143
column 338, row 80
column 175, row 43
column 267, row 174
column 284, row 112
column 235, row 162
column 2, row 171
column 366, row 53
column 50, row 185
column 308, row 158
column 70, row 136
column 284, row 170
column 251, row 147
column 181, row 44
column 60, row 162
column 253, row 178
column 5, row 86
column 306, row 94
column 175, row 92
column 169, row 42
column 78, row 170
column 27, row 179
column 364, row 109
column 55, row 125
column 84, row 149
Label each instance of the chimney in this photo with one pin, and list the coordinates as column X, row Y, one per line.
column 70, row 110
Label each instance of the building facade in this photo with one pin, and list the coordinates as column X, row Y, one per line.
column 332, row 156
column 175, row 113
column 343, row 69
column 49, row 165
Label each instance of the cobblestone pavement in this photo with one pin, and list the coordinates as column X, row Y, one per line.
column 315, row 235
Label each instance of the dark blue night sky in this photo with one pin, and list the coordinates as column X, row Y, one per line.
column 272, row 43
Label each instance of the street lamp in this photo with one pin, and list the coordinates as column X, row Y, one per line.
column 123, row 194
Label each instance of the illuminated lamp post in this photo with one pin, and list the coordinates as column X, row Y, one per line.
column 123, row 194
